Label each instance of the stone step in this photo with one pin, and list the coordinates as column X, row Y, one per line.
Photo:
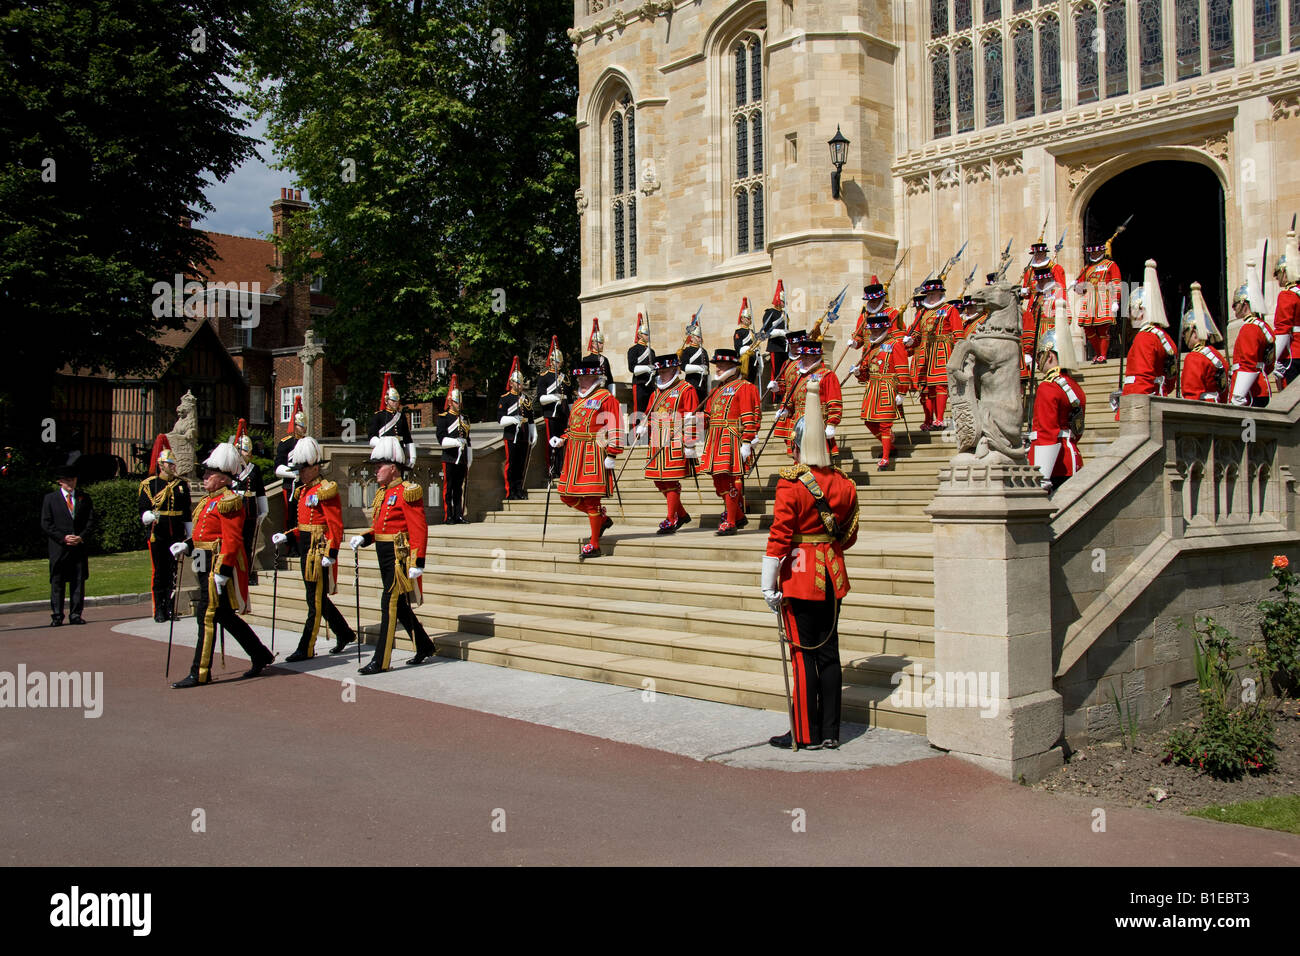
column 645, row 520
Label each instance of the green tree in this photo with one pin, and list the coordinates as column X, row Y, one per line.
column 115, row 118
column 438, row 146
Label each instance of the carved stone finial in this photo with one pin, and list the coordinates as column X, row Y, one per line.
column 581, row 199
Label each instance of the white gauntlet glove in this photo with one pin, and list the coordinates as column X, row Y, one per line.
column 178, row 549
column 220, row 580
column 326, row 561
column 691, row 451
column 356, row 541
column 414, row 573
column 781, row 413
column 556, row 442
column 746, row 449
column 148, row 517
column 284, row 471
column 772, row 582
column 642, row 370
column 278, row 539
column 908, row 341
column 510, row 420
column 609, row 463
column 830, row 431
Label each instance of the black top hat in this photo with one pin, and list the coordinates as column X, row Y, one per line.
column 873, row 291
column 797, row 336
column 807, row 347
column 990, row 278
column 932, row 285
column 589, row 365
column 667, row 360
column 724, row 355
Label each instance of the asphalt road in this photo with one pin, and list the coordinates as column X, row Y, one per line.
column 281, row 770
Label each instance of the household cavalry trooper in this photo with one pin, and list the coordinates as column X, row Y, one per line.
column 1253, row 355
column 1287, row 313
column 297, row 429
column 1097, row 306
column 596, row 348
column 390, row 420
column 781, row 385
column 874, row 295
column 745, row 344
column 732, row 417
column 515, row 414
column 553, row 403
column 885, row 371
column 775, row 330
column 452, row 430
column 1205, row 370
column 222, row 569
column 931, row 335
column 1153, row 355
column 1059, row 405
column 316, row 526
column 165, row 511
column 641, row 363
column 248, row 482
column 671, row 425
column 591, row 445
column 399, row 531
column 1039, row 313
column 810, row 368
column 694, row 359
column 814, row 521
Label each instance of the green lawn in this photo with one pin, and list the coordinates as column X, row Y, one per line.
column 109, row 574
column 1274, row 813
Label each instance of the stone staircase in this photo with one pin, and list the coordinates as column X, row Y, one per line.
column 683, row 614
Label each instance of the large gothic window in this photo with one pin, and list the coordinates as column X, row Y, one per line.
column 1268, row 29
column 1150, row 45
column 747, row 139
column 1116, row 55
column 1219, row 33
column 1187, row 38
column 1049, row 63
column 1022, row 5
column 622, row 152
column 938, row 18
column 1295, row 26
column 1085, row 44
column 1022, row 46
column 961, row 15
column 993, row 96
column 964, row 63
column 993, row 10
column 940, row 86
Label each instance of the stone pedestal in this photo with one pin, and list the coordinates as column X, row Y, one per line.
column 992, row 700
column 312, row 391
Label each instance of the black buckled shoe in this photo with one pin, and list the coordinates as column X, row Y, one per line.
column 784, row 741
column 371, row 668
column 343, row 642
column 419, row 659
column 56, row 622
column 681, row 522
column 666, row 526
column 259, row 666
column 76, row 620
column 831, row 744
column 297, row 656
column 589, row 551
column 190, row 681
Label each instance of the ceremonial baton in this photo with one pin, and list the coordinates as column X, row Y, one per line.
column 275, row 584
column 546, row 514
column 789, row 701
column 171, row 615
column 356, row 590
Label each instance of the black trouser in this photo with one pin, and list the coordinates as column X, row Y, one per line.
column 73, row 574
column 818, row 678
column 554, row 456
column 453, row 490
column 164, row 575
column 777, row 360
column 250, row 534
column 395, row 608
column 218, row 609
column 516, row 458
column 320, row 606
column 641, row 395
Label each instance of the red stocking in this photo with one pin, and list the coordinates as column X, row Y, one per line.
column 941, row 401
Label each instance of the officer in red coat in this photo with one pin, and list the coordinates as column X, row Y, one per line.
column 931, row 335
column 1153, row 355
column 222, row 569
column 885, row 371
column 1059, row 405
column 592, row 442
column 672, row 430
column 1098, row 288
column 814, row 521
column 1205, row 369
column 316, row 526
column 1253, row 355
column 732, row 417
column 1286, row 316
column 399, row 531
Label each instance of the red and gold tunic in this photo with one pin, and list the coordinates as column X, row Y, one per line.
column 862, row 334
column 399, row 509
column 319, row 525
column 1253, row 351
column 1285, row 319
column 1149, row 368
column 1100, row 304
column 732, row 417
column 932, row 333
column 798, row 530
column 1059, row 407
column 667, row 421
column 219, row 530
column 886, row 373
column 1058, row 277
column 794, row 402
column 1033, row 322
column 594, row 432
column 1205, row 375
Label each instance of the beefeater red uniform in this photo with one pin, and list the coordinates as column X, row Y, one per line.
column 1253, row 351
column 594, row 432
column 813, row 580
column 1099, row 309
column 832, row 401
column 669, row 419
column 1058, row 277
column 1205, row 375
column 1059, row 406
column 932, row 334
column 861, row 333
column 885, row 371
column 732, row 417
column 1033, row 323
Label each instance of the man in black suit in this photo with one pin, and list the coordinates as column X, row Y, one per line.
column 67, row 517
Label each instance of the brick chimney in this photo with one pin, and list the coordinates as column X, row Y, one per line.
column 290, row 203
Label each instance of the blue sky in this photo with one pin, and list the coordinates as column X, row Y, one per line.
column 243, row 202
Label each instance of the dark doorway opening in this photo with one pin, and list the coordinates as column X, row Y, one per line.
column 1179, row 223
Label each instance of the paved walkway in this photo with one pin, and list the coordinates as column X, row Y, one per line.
column 288, row 769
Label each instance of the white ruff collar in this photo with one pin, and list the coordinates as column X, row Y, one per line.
column 671, row 382
column 594, row 385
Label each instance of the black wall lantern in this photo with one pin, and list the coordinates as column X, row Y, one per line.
column 839, row 156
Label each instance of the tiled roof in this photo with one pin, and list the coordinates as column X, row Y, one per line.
column 241, row 259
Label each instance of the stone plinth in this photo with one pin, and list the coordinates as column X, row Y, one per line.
column 992, row 700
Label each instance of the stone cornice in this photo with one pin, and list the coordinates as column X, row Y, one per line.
column 1277, row 80
column 616, row 18
column 870, row 39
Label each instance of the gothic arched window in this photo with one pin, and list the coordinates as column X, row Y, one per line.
column 622, row 151
column 1022, row 48
column 1219, row 34
column 961, row 15
column 1151, row 54
column 993, row 95
column 938, row 18
column 1187, row 38
column 939, row 84
column 964, row 64
column 1085, row 45
column 1268, row 29
column 1049, row 63
column 747, row 128
column 1116, row 55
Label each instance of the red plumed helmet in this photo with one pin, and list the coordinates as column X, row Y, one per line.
column 595, row 340
column 778, row 300
column 515, row 377
column 160, row 445
column 388, row 393
column 744, row 310
column 297, row 415
column 453, row 393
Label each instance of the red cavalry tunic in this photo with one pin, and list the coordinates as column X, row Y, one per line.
column 1059, row 405
column 319, row 516
column 593, row 433
column 861, row 334
column 796, row 400
column 1150, row 362
column 219, row 530
column 732, row 417
column 666, row 420
column 1254, row 352
column 797, row 527
column 932, row 333
column 886, row 373
column 1205, row 375
column 1286, row 317
column 400, row 508
column 1100, row 305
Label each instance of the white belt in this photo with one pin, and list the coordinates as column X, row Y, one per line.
column 1063, row 433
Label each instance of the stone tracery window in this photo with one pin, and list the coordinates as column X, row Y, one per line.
column 993, row 94
column 1022, row 51
column 1151, row 56
column 622, row 152
column 1187, row 38
column 1268, row 29
column 747, row 140
column 1049, row 63
column 1116, row 47
column 1218, row 33
column 1086, row 47
column 964, row 59
column 940, row 87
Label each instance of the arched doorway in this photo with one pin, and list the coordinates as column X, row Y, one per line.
column 1179, row 223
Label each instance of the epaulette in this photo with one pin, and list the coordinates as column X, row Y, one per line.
column 230, row 503
column 1052, row 376
column 145, row 483
column 793, row 472
column 327, row 489
column 379, row 498
column 412, row 492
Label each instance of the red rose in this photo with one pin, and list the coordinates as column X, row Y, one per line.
column 1280, row 561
